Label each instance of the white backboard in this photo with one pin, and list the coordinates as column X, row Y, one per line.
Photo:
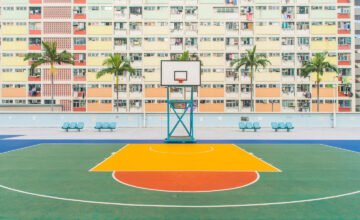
column 187, row 71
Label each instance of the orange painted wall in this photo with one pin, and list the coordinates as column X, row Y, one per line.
column 155, row 92
column 13, row 92
column 324, row 92
column 155, row 107
column 262, row 107
column 99, row 92
column 267, row 92
column 99, row 107
column 211, row 92
column 323, row 107
column 212, row 107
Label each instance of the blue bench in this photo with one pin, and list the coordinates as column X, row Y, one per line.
column 249, row 126
column 105, row 126
column 282, row 126
column 73, row 126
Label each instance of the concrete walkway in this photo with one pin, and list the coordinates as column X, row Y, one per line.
column 200, row 133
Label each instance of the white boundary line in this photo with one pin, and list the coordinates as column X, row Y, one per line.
column 23, row 148
column 112, row 154
column 252, row 154
column 339, row 148
column 175, row 191
column 178, row 206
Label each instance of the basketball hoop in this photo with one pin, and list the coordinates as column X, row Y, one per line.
column 180, row 80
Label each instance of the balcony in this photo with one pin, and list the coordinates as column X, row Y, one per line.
column 79, row 109
column 80, row 16
column 343, row 15
column 344, row 63
column 343, row 1
column 35, row 2
column 80, row 47
column 35, row 47
column 34, row 32
column 344, row 47
column 79, row 1
column 155, row 107
column 344, row 31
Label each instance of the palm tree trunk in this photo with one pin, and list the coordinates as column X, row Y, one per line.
column 318, row 96
column 52, row 87
column 251, row 90
column 117, row 92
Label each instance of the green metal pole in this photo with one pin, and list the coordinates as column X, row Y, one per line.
column 168, row 113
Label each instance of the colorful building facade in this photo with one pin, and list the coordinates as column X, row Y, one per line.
column 148, row 31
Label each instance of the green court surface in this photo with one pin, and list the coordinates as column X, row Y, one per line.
column 53, row 181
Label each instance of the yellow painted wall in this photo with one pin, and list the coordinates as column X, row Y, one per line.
column 95, row 61
column 156, row 45
column 327, row 77
column 275, row 61
column 13, row 92
column 267, row 92
column 210, row 45
column 14, row 46
column 152, row 61
column 99, row 107
column 324, row 30
column 99, row 30
column 267, row 107
column 268, row 45
column 267, row 77
column 213, row 61
column 155, row 30
column 13, row 61
column 91, row 77
column 332, row 60
column 211, row 30
column 13, row 77
column 152, row 77
column 268, row 30
column 212, row 77
column 14, row 30
column 323, row 45
column 99, row 45
column 99, row 92
column 155, row 92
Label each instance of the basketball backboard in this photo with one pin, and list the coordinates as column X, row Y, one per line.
column 180, row 73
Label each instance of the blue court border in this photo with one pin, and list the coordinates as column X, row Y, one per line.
column 7, row 145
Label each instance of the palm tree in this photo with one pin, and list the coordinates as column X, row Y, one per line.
column 186, row 56
column 318, row 65
column 52, row 57
column 116, row 65
column 251, row 61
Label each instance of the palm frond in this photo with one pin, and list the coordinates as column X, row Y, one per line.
column 104, row 72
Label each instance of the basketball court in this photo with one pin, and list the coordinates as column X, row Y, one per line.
column 179, row 176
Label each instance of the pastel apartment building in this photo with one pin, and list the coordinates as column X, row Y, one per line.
column 148, row 31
